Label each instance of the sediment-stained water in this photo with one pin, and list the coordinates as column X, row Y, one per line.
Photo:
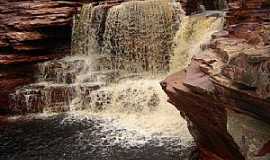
column 194, row 33
column 82, row 135
column 135, row 123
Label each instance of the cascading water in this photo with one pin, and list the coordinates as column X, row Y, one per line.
column 134, row 37
column 195, row 32
column 110, row 86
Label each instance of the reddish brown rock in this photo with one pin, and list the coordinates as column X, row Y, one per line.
column 248, row 11
column 224, row 93
column 206, row 117
column 265, row 150
column 7, row 85
column 31, row 30
column 17, row 58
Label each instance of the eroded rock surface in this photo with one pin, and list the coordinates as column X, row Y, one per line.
column 31, row 32
column 30, row 29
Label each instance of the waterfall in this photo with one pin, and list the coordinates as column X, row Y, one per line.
column 135, row 36
column 195, row 32
column 128, row 44
column 139, row 35
column 120, row 52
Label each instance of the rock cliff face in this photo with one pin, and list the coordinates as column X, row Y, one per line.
column 34, row 30
column 30, row 32
column 224, row 93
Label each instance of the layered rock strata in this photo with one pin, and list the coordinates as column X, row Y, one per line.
column 31, row 32
column 224, row 92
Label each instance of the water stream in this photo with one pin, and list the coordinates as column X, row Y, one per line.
column 104, row 100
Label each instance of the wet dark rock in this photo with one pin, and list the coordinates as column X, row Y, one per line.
column 36, row 98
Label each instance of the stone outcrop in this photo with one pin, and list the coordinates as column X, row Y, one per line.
column 224, row 93
column 31, row 32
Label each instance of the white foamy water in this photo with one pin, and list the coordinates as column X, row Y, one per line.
column 143, row 106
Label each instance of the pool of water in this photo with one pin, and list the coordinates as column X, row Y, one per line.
column 68, row 136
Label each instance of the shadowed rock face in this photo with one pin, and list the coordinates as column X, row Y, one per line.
column 224, row 92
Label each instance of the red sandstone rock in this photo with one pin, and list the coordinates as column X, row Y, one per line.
column 265, row 150
column 7, row 85
column 233, row 75
column 206, row 118
column 15, row 58
column 28, row 26
column 31, row 31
